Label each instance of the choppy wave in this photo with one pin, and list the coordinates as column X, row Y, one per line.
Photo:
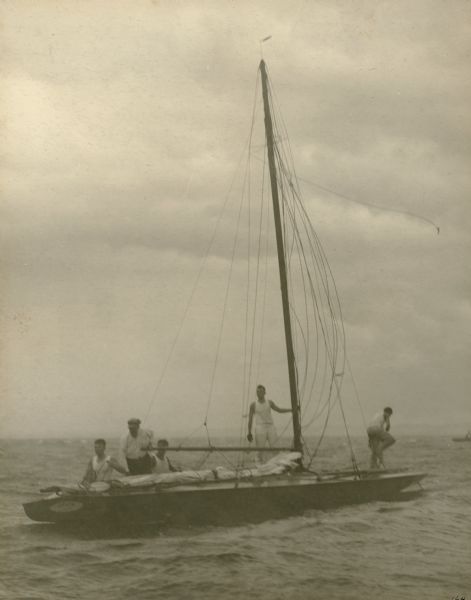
column 407, row 550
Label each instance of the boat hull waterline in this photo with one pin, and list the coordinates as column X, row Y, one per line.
column 220, row 502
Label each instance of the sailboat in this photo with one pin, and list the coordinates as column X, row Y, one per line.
column 288, row 484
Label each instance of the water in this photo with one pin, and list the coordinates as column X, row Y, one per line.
column 403, row 550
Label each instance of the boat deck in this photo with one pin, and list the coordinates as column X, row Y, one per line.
column 259, row 498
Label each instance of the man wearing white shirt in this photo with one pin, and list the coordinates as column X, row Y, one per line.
column 379, row 437
column 134, row 447
column 160, row 462
column 101, row 467
column 260, row 411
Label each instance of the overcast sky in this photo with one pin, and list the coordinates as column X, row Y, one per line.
column 122, row 127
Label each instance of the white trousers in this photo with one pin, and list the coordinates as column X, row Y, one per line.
column 264, row 434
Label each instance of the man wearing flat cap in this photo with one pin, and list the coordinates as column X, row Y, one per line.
column 134, row 448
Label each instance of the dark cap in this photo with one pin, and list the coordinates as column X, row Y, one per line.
column 134, row 421
column 388, row 410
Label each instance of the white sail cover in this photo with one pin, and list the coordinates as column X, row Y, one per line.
column 277, row 465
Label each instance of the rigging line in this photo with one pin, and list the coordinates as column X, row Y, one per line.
column 221, row 329
column 327, row 275
column 341, row 321
column 322, row 271
column 370, row 205
column 327, row 397
column 319, row 441
column 244, row 398
column 374, row 206
column 288, row 247
column 315, row 372
column 332, row 315
column 356, row 392
column 321, row 437
column 327, row 405
column 333, row 368
column 257, row 277
column 285, row 237
column 321, row 408
column 324, row 378
column 315, row 376
column 317, row 353
column 278, row 436
column 232, row 464
column 207, row 432
column 302, row 266
column 206, row 255
column 195, row 284
column 247, row 303
column 323, row 260
column 332, row 361
column 305, row 336
column 296, row 238
column 317, row 322
column 292, row 245
column 306, row 446
column 336, row 298
column 202, row 461
column 190, row 435
column 352, row 453
column 328, row 297
column 296, row 193
column 257, row 273
column 283, row 132
column 333, row 319
column 267, row 235
column 302, row 253
column 247, row 369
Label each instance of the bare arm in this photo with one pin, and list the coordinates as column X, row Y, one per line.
column 115, row 464
column 171, row 467
column 278, row 409
column 251, row 414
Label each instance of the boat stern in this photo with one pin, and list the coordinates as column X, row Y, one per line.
column 61, row 509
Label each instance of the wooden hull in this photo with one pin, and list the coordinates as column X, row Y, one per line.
column 461, row 439
column 222, row 502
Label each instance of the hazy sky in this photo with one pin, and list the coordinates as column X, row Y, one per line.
column 122, row 127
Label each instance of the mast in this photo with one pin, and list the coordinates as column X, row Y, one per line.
column 281, row 262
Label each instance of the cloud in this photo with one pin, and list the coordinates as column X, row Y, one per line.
column 124, row 129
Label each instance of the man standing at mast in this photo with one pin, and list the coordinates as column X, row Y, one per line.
column 264, row 427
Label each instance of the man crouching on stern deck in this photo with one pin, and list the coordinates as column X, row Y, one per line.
column 379, row 437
